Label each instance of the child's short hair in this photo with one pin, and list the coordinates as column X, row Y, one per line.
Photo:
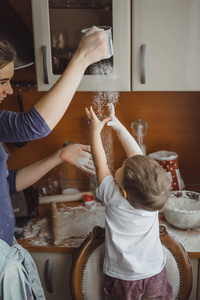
column 146, row 183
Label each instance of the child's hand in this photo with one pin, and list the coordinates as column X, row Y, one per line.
column 96, row 124
column 114, row 123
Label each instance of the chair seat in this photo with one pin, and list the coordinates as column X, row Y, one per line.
column 87, row 276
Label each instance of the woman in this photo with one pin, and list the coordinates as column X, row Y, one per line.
column 18, row 275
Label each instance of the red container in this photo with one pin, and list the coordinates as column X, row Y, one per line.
column 169, row 162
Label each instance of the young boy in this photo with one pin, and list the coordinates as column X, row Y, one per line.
column 134, row 261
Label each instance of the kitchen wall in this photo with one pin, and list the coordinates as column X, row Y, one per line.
column 173, row 124
column 173, row 121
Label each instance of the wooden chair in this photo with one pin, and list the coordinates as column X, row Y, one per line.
column 87, row 276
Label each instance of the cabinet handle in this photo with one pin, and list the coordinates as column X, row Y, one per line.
column 49, row 275
column 143, row 62
column 44, row 56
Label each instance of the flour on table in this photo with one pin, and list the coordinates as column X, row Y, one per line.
column 79, row 222
column 38, row 232
column 190, row 238
column 75, row 225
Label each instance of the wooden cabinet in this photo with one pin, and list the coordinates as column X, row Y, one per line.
column 165, row 45
column 54, row 272
column 57, row 28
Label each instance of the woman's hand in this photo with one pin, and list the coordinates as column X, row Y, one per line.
column 75, row 154
column 93, row 45
column 78, row 155
column 96, row 124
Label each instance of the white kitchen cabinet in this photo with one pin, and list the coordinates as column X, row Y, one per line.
column 57, row 25
column 166, row 45
column 156, row 43
column 55, row 281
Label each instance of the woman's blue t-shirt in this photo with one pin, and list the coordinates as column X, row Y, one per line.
column 14, row 127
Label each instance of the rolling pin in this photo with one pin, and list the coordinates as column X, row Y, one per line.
column 55, row 224
column 62, row 198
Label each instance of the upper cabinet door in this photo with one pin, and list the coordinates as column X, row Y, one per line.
column 57, row 26
column 166, row 45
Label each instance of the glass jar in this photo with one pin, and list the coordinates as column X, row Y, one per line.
column 139, row 132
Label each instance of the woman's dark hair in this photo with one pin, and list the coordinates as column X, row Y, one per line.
column 7, row 52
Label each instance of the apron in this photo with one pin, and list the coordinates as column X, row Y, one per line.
column 18, row 273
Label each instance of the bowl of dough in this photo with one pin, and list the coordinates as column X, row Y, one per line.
column 182, row 209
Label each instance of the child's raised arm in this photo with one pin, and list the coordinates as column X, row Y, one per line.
column 127, row 140
column 98, row 152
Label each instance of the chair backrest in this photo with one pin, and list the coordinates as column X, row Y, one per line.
column 178, row 266
column 87, row 276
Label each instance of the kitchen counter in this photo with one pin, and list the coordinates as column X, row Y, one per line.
column 190, row 239
column 36, row 240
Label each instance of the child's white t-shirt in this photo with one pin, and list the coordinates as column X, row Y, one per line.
column 133, row 249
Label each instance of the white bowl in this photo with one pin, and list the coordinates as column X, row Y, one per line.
column 183, row 209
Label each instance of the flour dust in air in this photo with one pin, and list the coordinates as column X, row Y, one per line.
column 100, row 103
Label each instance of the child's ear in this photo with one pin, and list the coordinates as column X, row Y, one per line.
column 124, row 193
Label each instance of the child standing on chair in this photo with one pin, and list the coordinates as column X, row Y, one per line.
column 134, row 261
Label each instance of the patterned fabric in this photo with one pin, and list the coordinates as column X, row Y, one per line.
column 155, row 287
column 19, row 279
